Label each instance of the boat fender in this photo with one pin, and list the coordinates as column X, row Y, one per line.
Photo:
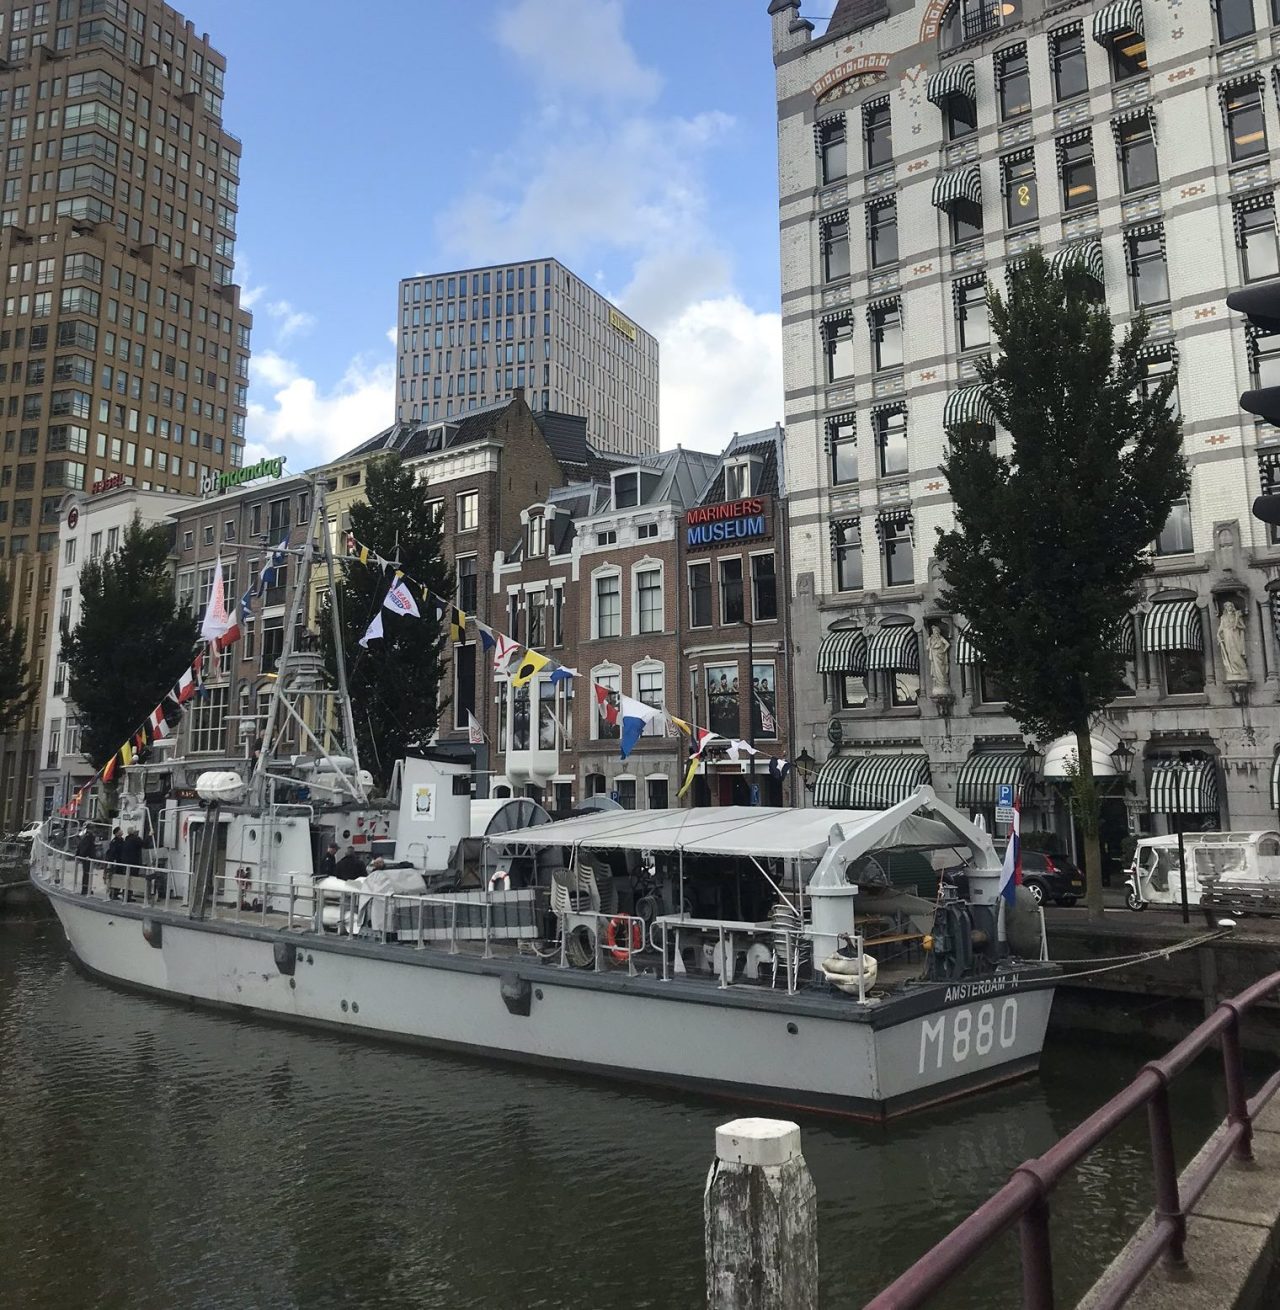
column 615, row 937
column 286, row 955
column 517, row 994
column 152, row 932
column 841, row 964
column 500, row 882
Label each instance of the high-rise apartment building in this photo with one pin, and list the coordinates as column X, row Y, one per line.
column 124, row 353
column 924, row 147
column 475, row 336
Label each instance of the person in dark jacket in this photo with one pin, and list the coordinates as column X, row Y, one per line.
column 349, row 868
column 86, row 853
column 131, row 856
column 113, row 855
column 329, row 860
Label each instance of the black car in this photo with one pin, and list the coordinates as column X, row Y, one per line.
column 1051, row 878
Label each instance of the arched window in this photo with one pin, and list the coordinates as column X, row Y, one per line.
column 966, row 20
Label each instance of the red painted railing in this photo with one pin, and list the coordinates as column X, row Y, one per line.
column 1024, row 1199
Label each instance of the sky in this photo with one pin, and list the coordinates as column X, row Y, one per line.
column 635, row 140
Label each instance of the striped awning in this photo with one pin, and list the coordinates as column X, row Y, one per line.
column 1117, row 17
column 1183, row 787
column 984, row 771
column 1125, row 638
column 960, row 184
column 1087, row 253
column 964, row 651
column 958, row 80
column 869, row 782
column 1275, row 783
column 968, row 405
column 1173, row 625
column 894, row 650
column 843, row 652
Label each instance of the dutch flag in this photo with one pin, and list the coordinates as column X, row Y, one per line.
column 1011, row 873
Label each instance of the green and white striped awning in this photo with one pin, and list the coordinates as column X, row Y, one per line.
column 958, row 80
column 983, row 772
column 964, row 651
column 843, row 652
column 1183, row 787
column 1275, row 783
column 968, row 405
column 1117, row 17
column 1086, row 253
column 960, row 184
column 1124, row 637
column 894, row 650
column 869, row 782
column 1173, row 625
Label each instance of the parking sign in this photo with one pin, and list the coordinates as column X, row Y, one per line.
column 1004, row 795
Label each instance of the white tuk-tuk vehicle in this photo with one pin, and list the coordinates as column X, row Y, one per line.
column 1239, row 870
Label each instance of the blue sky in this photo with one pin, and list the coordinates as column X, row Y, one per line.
column 634, row 139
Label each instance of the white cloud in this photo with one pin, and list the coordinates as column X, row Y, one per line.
column 309, row 424
column 576, row 47
column 721, row 373
column 288, row 320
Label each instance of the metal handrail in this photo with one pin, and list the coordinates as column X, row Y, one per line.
column 1024, row 1199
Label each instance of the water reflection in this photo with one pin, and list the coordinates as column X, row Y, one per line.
column 155, row 1156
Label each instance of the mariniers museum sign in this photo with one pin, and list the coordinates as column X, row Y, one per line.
column 733, row 520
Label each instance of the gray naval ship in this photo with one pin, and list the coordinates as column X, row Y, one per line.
column 858, row 962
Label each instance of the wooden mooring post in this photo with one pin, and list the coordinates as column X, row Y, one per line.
column 760, row 1212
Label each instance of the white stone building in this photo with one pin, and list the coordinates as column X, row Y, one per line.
column 90, row 526
column 474, row 336
column 924, row 146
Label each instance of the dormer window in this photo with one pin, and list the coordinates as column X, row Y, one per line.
column 741, row 478
column 537, row 536
column 632, row 487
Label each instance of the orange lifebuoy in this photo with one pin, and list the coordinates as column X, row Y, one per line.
column 611, row 937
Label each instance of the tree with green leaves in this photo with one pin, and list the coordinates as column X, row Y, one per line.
column 394, row 681
column 1050, row 542
column 16, row 688
column 132, row 642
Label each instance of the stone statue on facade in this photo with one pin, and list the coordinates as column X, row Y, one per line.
column 1231, row 643
column 938, row 648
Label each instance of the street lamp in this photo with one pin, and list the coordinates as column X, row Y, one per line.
column 1032, row 758
column 803, row 765
column 1122, row 758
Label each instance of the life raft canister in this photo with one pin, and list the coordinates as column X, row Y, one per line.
column 616, row 933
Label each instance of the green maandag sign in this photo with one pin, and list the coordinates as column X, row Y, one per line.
column 213, row 483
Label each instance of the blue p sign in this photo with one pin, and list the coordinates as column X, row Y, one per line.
column 1004, row 794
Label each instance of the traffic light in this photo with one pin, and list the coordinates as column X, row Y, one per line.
column 1261, row 304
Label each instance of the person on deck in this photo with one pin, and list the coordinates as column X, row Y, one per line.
column 329, row 860
column 113, row 855
column 86, row 853
column 349, row 868
column 131, row 857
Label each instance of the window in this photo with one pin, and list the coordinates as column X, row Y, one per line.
column 69, row 555
column 1246, row 126
column 1183, row 672
column 1235, row 19
column 1075, row 167
column 740, row 478
column 609, row 537
column 1128, row 56
column 764, row 703
column 1136, row 142
column 882, row 233
column 960, row 116
column 851, row 690
column 467, row 584
column 278, row 518
column 272, row 643
column 1264, row 359
column 547, row 730
column 208, row 717
column 626, row 789
column 965, row 219
column 846, row 548
column 990, row 692
column 650, row 690
column 468, row 511
column 609, row 605
column 1021, row 202
column 1175, row 536
column 886, row 334
column 520, row 718
column 1148, row 275
column 833, row 155
column 731, row 607
column 899, row 555
column 967, row 19
column 877, row 133
column 700, row 595
column 1159, row 364
column 1013, row 86
column 723, row 700
column 612, row 684
column 657, row 788
column 1256, row 235
column 464, row 683
column 890, row 428
column 904, row 689
column 764, row 588
column 535, row 605
column 1070, row 76
column 973, row 327
column 537, row 536
column 835, row 248
column 645, row 531
column 649, row 600
column 626, row 490
column 842, row 442
column 838, row 347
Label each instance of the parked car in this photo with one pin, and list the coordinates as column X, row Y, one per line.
column 1051, row 878
column 31, row 831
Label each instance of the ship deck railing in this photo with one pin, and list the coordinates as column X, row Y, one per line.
column 480, row 918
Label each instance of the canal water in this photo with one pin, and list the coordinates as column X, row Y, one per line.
column 155, row 1156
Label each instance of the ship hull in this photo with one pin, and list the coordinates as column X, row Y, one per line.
column 752, row 1045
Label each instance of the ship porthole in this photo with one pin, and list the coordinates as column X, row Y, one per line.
column 279, row 838
column 538, row 993
column 355, row 1007
column 253, row 834
column 344, row 1007
column 293, row 982
column 793, row 1029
